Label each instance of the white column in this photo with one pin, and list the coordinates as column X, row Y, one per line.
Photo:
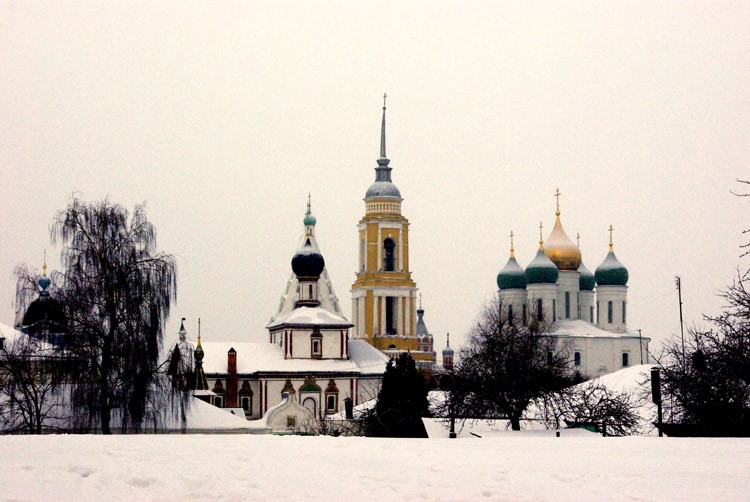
column 383, row 306
column 399, row 315
column 380, row 249
column 400, row 248
column 361, row 326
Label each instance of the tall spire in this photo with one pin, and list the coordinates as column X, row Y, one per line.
column 382, row 132
column 383, row 172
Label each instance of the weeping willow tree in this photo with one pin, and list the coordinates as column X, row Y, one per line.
column 117, row 291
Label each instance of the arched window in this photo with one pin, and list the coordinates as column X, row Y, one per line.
column 524, row 314
column 598, row 310
column 623, row 312
column 389, row 255
column 554, row 311
column 311, row 405
column 609, row 312
column 539, row 311
column 577, row 359
column 625, row 360
column 567, row 305
column 510, row 313
column 316, row 344
column 591, row 313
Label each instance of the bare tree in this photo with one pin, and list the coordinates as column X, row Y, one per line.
column 745, row 246
column 504, row 366
column 117, row 291
column 34, row 394
column 589, row 404
column 708, row 389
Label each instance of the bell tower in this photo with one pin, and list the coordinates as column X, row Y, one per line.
column 384, row 294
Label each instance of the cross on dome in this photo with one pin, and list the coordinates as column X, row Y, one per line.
column 557, row 196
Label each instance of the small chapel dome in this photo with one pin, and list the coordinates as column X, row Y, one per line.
column 448, row 351
column 310, row 219
column 45, row 309
column 307, row 262
column 586, row 282
column 611, row 272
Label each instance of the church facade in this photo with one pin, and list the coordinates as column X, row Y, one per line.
column 587, row 313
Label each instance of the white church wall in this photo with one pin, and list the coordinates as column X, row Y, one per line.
column 568, row 282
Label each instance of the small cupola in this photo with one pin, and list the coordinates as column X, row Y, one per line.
column 541, row 270
column 512, row 276
column 611, row 272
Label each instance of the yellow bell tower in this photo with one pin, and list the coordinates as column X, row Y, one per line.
column 384, row 294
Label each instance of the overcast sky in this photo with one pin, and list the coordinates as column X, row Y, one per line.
column 223, row 117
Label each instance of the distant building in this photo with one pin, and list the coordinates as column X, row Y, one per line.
column 587, row 312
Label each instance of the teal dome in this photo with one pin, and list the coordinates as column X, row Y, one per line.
column 511, row 276
column 541, row 270
column 611, row 272
column 586, row 281
column 309, row 220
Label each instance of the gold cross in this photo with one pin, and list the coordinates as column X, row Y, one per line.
column 511, row 243
column 611, row 228
column 44, row 265
column 557, row 196
column 540, row 233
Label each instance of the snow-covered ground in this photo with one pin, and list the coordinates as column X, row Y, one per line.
column 245, row 467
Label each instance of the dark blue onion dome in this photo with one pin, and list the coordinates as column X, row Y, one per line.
column 611, row 272
column 307, row 262
column 45, row 312
column 541, row 270
column 512, row 276
column 383, row 187
column 586, row 282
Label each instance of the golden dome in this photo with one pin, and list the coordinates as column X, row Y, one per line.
column 559, row 248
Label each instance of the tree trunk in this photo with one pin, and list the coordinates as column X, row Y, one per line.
column 515, row 422
column 104, row 391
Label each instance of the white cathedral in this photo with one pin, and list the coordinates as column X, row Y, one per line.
column 587, row 312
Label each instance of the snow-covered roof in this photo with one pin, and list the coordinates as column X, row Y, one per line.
column 579, row 327
column 9, row 334
column 307, row 316
column 12, row 335
column 253, row 357
column 202, row 416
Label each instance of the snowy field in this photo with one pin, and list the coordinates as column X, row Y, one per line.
column 243, row 467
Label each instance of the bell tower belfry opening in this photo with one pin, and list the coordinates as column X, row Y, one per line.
column 384, row 294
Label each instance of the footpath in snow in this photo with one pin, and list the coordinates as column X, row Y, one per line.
column 246, row 467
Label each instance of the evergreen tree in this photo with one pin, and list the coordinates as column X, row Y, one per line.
column 402, row 401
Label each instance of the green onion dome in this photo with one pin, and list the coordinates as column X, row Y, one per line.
column 541, row 270
column 512, row 276
column 309, row 220
column 586, row 281
column 611, row 272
